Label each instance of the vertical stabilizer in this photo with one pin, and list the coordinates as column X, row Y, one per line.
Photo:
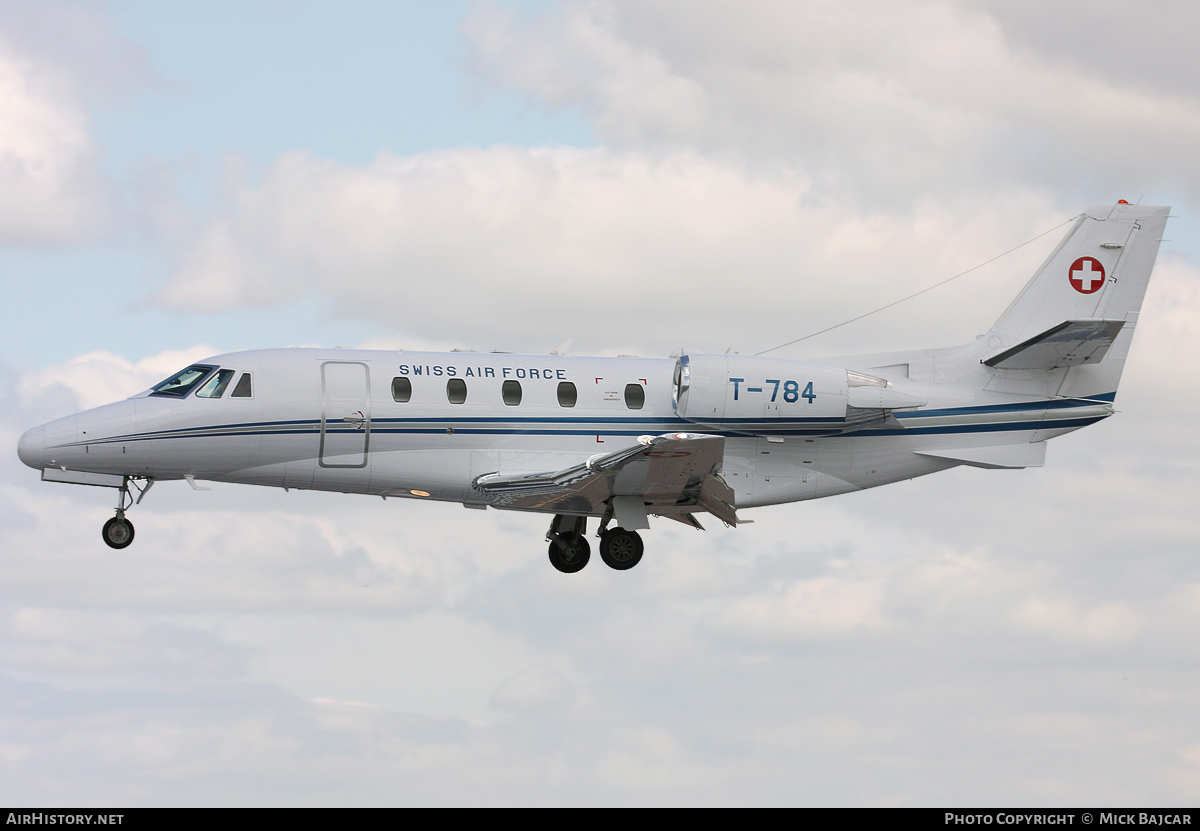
column 1099, row 272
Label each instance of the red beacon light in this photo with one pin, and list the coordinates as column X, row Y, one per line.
column 1122, row 201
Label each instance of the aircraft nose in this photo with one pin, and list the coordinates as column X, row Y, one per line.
column 32, row 448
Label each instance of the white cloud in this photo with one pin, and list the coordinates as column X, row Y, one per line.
column 1106, row 623
column 52, row 190
column 1088, row 34
column 572, row 56
column 808, row 608
column 895, row 101
column 534, row 689
column 621, row 251
column 74, row 642
column 60, row 63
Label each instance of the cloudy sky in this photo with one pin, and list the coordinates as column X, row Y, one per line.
column 181, row 179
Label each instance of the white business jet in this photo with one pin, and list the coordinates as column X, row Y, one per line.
column 625, row 439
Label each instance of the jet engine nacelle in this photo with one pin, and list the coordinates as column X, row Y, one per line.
column 769, row 396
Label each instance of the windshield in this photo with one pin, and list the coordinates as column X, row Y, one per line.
column 181, row 383
column 215, row 386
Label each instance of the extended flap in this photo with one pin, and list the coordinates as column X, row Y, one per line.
column 717, row 498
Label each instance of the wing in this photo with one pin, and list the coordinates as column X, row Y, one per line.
column 672, row 475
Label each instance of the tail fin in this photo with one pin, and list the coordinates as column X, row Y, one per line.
column 1080, row 309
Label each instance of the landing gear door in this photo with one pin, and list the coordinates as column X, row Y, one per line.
column 345, row 414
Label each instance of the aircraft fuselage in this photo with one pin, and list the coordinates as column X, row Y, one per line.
column 328, row 419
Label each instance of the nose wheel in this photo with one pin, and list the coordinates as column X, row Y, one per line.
column 118, row 532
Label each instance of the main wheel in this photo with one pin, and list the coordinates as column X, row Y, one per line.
column 570, row 552
column 118, row 533
column 621, row 549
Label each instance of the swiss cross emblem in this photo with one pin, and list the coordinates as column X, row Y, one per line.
column 1086, row 275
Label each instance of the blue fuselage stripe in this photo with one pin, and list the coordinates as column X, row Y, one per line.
column 624, row 426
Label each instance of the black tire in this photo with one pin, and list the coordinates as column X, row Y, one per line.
column 621, row 549
column 569, row 553
column 118, row 533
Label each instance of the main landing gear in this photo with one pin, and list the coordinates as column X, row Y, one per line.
column 118, row 531
column 570, row 551
column 621, row 549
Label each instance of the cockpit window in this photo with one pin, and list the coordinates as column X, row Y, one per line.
column 181, row 383
column 242, row 390
column 215, row 386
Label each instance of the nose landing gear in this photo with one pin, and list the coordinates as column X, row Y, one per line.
column 118, row 531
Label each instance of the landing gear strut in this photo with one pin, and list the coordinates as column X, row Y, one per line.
column 569, row 549
column 118, row 531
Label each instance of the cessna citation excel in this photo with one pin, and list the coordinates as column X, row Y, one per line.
column 621, row 440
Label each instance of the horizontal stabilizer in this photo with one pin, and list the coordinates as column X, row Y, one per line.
column 1071, row 343
column 994, row 457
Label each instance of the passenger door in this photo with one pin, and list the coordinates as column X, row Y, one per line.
column 345, row 414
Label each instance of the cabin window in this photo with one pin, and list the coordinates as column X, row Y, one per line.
column 511, row 392
column 182, row 382
column 456, row 390
column 635, row 396
column 567, row 396
column 401, row 390
column 215, row 386
column 242, row 390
